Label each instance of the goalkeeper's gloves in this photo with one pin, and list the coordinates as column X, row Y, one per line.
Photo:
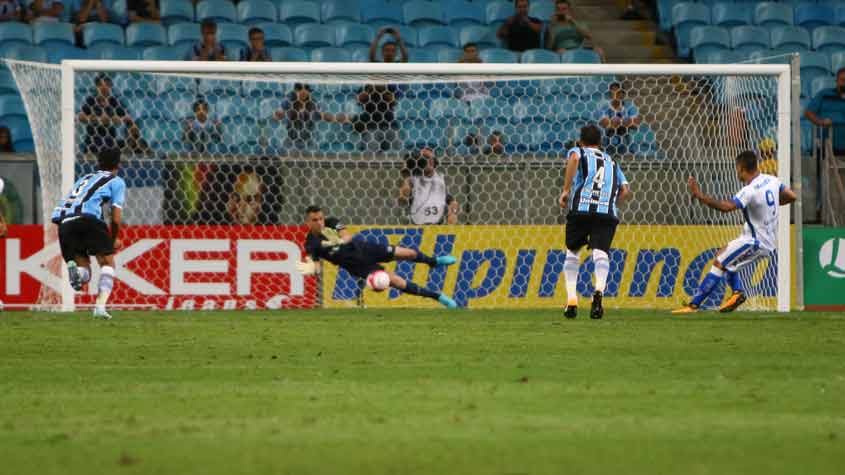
column 308, row 267
column 332, row 238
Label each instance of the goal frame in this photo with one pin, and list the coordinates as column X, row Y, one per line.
column 786, row 87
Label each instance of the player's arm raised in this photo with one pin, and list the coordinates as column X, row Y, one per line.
column 786, row 195
column 724, row 206
column 571, row 168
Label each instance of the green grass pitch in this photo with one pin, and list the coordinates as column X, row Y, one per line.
column 422, row 392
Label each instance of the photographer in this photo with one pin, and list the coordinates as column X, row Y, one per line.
column 388, row 49
column 521, row 32
column 424, row 189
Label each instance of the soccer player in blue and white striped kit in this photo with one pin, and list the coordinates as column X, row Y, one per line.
column 592, row 188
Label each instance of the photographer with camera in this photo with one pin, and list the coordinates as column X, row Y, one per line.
column 424, row 189
column 388, row 49
column 521, row 32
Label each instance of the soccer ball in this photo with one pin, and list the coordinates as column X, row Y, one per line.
column 378, row 280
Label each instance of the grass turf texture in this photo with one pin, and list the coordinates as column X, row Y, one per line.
column 492, row 392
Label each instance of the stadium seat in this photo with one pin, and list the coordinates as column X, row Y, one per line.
column 422, row 13
column 580, row 56
column 540, row 56
column 221, row 11
column 13, row 32
column 253, row 12
column 234, row 37
column 498, row 12
column 461, row 13
column 482, row 36
column 437, row 36
column 145, row 34
column 811, row 16
column 730, row 14
column 822, row 83
column 686, row 16
column 813, row 65
column 59, row 51
column 330, row 55
column 183, row 34
column 176, row 11
column 840, row 15
column 744, row 39
column 112, row 51
column 7, row 84
column 790, row 36
column 447, row 108
column 771, row 14
column 117, row 10
column 449, row 55
column 829, row 39
column 287, row 53
column 409, row 34
column 352, row 35
column 312, row 35
column 163, row 53
column 340, row 11
column 21, row 133
column 276, row 34
column 709, row 38
column 411, row 109
column 51, row 34
column 11, row 106
column 716, row 56
column 499, row 55
column 102, row 33
column 643, row 141
column 296, row 13
column 422, row 55
column 837, row 61
column 360, row 54
column 23, row 53
column 380, row 13
column 542, row 10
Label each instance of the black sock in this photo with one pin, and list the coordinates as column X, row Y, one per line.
column 414, row 289
column 425, row 259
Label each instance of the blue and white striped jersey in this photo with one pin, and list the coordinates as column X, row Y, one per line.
column 596, row 184
column 89, row 194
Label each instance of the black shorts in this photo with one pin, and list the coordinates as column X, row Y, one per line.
column 84, row 236
column 595, row 231
column 361, row 258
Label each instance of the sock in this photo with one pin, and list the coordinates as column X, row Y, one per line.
column 601, row 262
column 734, row 282
column 707, row 285
column 105, row 286
column 84, row 274
column 414, row 289
column 425, row 259
column 570, row 273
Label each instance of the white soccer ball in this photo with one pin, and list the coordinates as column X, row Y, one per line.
column 378, row 280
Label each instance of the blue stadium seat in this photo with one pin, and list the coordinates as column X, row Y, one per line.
column 112, row 51
column 7, row 84
column 21, row 136
column 498, row 12
column 540, row 56
column 686, row 16
column 447, row 108
column 12, row 106
column 542, row 10
column 709, row 38
column 216, row 89
column 822, row 83
column 176, row 11
column 313, row 35
column 163, row 53
column 422, row 55
column 23, row 53
column 360, row 54
column 183, row 34
column 409, row 34
column 51, row 34
column 381, row 13
column 438, row 36
column 102, row 33
column 13, row 32
column 234, row 37
column 422, row 13
column 449, row 55
column 117, row 10
column 814, row 65
column 643, row 141
column 729, row 14
column 499, row 55
column 790, row 36
column 296, row 13
column 462, row 13
column 829, row 39
column 411, row 109
column 840, row 15
column 744, row 39
column 287, row 53
column 330, row 55
column 771, row 14
column 253, row 12
column 837, row 61
column 221, row 11
column 60, row 51
column 664, row 13
column 580, row 56
column 276, row 34
column 145, row 34
column 340, row 11
column 482, row 36
column 811, row 16
column 352, row 35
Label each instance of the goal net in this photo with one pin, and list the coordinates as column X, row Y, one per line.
column 221, row 159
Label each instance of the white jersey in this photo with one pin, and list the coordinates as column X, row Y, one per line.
column 759, row 202
column 428, row 199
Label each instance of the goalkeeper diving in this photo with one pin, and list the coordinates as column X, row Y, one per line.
column 329, row 240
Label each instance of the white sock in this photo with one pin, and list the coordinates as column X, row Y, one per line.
column 717, row 272
column 601, row 263
column 84, row 274
column 105, row 286
column 570, row 273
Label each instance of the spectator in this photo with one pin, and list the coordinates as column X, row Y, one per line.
column 768, row 163
column 91, row 11
column 201, row 131
column 827, row 109
column 208, row 49
column 10, row 10
column 521, row 32
column 377, row 122
column 134, row 143
column 256, row 50
column 470, row 91
column 300, row 114
column 424, row 189
column 388, row 49
column 143, row 11
column 564, row 33
column 46, row 10
column 617, row 118
column 6, row 142
column 493, row 145
column 102, row 113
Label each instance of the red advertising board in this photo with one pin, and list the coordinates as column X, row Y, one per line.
column 173, row 267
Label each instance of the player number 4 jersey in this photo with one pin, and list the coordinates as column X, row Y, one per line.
column 759, row 202
column 596, row 184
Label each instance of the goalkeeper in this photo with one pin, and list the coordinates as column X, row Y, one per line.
column 328, row 239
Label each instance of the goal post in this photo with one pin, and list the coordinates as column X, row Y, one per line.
column 508, row 232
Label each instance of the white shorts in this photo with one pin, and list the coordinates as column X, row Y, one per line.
column 741, row 252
